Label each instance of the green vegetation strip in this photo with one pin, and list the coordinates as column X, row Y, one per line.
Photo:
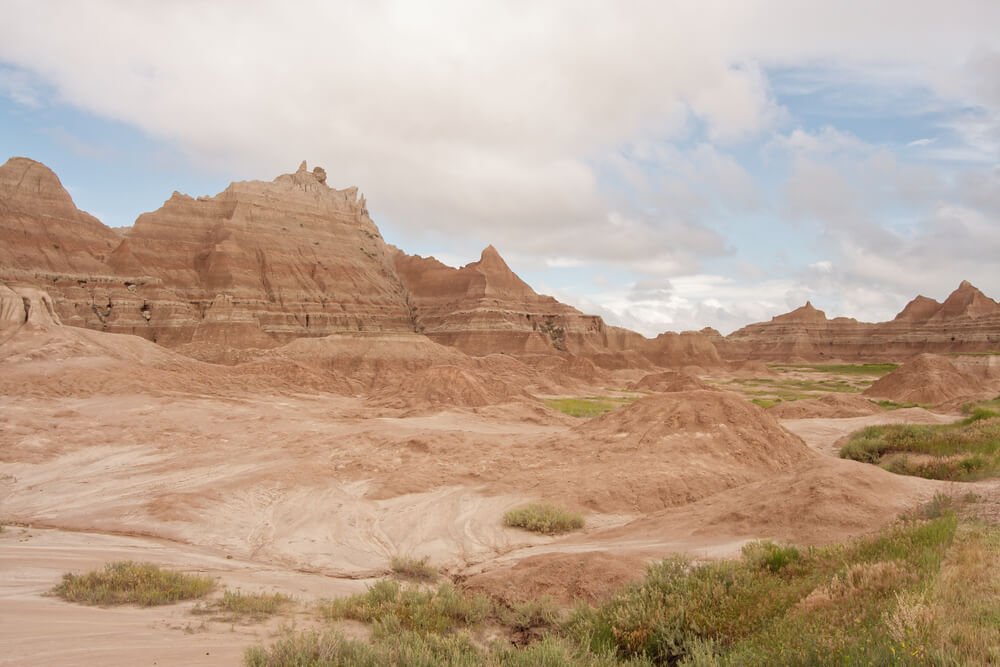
column 877, row 370
column 588, row 407
column 964, row 451
column 128, row 582
column 922, row 592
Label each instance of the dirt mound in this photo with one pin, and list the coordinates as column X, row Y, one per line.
column 663, row 450
column 446, row 386
column 822, row 502
column 927, row 379
column 741, row 431
column 831, row 406
column 371, row 361
column 669, row 381
column 567, row 578
column 51, row 361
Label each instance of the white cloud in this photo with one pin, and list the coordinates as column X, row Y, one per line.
column 576, row 133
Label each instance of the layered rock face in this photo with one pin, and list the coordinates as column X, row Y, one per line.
column 281, row 259
column 259, row 264
column 967, row 321
column 44, row 235
column 484, row 308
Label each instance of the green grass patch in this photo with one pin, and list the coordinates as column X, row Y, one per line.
column 964, row 451
column 413, row 569
column 129, row 582
column 543, row 518
column 586, row 407
column 922, row 592
column 766, row 402
column 410, row 649
column 893, row 405
column 983, row 409
column 795, row 387
column 237, row 605
column 876, row 370
column 778, row 605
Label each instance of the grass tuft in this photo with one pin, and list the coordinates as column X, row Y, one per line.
column 250, row 606
column 440, row 610
column 413, row 569
column 543, row 518
column 129, row 582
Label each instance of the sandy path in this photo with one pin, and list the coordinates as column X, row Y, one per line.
column 39, row 630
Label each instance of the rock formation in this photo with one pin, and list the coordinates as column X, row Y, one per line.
column 967, row 321
column 259, row 264
column 484, row 307
column 263, row 263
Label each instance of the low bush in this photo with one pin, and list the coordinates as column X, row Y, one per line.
column 543, row 518
column 239, row 605
column 413, row 569
column 426, row 611
column 128, row 582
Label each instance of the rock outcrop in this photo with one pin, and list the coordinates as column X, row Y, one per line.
column 263, row 263
column 967, row 321
column 257, row 265
column 484, row 307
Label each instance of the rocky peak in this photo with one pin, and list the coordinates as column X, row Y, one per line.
column 920, row 309
column 499, row 279
column 806, row 313
column 41, row 228
column 967, row 301
column 26, row 184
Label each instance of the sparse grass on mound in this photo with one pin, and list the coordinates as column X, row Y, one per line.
column 921, row 592
column 129, row 582
column 543, row 518
column 237, row 605
column 414, row 569
column 592, row 406
column 964, row 451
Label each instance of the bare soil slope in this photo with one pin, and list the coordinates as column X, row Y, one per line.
column 927, row 379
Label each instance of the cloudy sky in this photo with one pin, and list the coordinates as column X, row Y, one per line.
column 668, row 165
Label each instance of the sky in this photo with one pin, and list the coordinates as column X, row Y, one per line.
column 666, row 165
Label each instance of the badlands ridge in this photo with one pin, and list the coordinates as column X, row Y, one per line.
column 257, row 385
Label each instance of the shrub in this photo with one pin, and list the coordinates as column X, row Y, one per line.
column 128, row 582
column 238, row 604
column 440, row 610
column 769, row 556
column 413, row 569
column 543, row 518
